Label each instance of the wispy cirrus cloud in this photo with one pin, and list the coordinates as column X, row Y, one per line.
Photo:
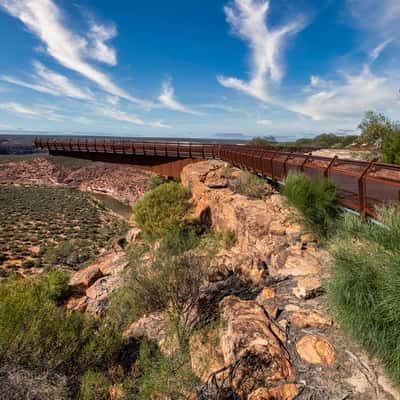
column 45, row 20
column 18, row 108
column 248, row 19
column 123, row 116
column 168, row 100
column 48, row 112
column 50, row 82
column 265, row 122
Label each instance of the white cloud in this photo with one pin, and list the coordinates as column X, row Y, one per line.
column 222, row 107
column 248, row 18
column 18, row 108
column 99, row 34
column 45, row 20
column 377, row 51
column 265, row 122
column 350, row 98
column 123, row 116
column 50, row 82
column 82, row 120
column 48, row 112
column 377, row 16
column 168, row 100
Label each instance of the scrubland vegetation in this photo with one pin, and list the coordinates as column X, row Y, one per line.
column 52, row 226
column 364, row 284
column 164, row 275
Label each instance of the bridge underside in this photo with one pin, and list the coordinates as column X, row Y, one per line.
column 171, row 166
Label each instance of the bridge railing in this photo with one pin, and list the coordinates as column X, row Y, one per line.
column 361, row 185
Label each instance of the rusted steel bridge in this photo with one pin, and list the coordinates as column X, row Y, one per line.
column 361, row 185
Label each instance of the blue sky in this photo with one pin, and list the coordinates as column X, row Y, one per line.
column 198, row 67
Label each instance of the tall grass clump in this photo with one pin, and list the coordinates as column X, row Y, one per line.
column 316, row 200
column 364, row 287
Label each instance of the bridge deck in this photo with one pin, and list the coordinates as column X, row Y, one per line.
column 361, row 185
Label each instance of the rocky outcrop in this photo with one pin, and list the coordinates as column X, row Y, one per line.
column 92, row 286
column 274, row 339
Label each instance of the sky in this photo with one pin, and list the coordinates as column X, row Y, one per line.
column 198, row 68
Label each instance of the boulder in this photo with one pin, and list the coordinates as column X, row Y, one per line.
column 308, row 287
column 316, row 350
column 82, row 279
column 265, row 295
column 287, row 391
column 205, row 353
column 76, row 303
column 246, row 334
column 308, row 319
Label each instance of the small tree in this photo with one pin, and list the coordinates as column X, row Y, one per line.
column 262, row 141
column 375, row 127
column 390, row 148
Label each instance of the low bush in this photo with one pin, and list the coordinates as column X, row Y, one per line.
column 95, row 386
column 57, row 285
column 158, row 376
column 249, row 185
column 363, row 290
column 38, row 334
column 156, row 180
column 161, row 210
column 316, row 200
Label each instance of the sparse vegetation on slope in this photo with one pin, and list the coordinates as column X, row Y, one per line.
column 52, row 226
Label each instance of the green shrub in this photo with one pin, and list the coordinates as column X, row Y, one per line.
column 249, row 185
column 156, row 180
column 316, row 200
column 363, row 290
column 38, row 334
column 390, row 148
column 159, row 376
column 161, row 210
column 94, row 386
column 57, row 282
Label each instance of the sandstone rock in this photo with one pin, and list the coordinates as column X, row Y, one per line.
column 76, row 303
column 82, row 279
column 285, row 392
column 316, row 350
column 205, row 353
column 112, row 263
column 266, row 294
column 277, row 229
column 272, row 310
column 295, row 263
column 308, row 319
column 308, row 287
column 246, row 333
column 216, row 179
column 99, row 292
column 294, row 231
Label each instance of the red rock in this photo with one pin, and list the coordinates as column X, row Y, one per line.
column 285, row 392
column 82, row 279
column 316, row 350
column 308, row 319
column 77, row 303
column 308, row 287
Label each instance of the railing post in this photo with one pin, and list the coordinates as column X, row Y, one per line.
column 328, row 168
column 362, row 187
column 308, row 156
